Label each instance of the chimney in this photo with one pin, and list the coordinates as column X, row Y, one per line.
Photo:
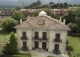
column 60, row 18
column 64, row 21
column 20, row 21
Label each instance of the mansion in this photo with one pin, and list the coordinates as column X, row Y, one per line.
column 42, row 33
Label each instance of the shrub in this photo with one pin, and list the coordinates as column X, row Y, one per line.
column 67, row 42
column 69, row 48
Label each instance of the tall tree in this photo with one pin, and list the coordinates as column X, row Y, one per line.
column 11, row 47
column 65, row 5
column 17, row 15
column 38, row 2
column 51, row 3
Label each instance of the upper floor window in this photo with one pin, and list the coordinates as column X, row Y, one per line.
column 36, row 34
column 24, row 34
column 58, row 36
column 44, row 35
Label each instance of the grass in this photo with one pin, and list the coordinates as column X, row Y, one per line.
column 75, row 42
column 24, row 55
column 50, row 56
column 4, row 37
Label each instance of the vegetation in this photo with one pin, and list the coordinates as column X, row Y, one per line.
column 8, row 24
column 11, row 47
column 74, row 41
column 38, row 5
column 17, row 15
column 50, row 56
column 24, row 55
column 73, row 21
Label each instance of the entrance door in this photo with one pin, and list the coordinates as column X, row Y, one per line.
column 56, row 47
column 43, row 45
column 36, row 44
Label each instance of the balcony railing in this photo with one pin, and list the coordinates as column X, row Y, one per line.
column 41, row 39
column 57, row 40
column 24, row 38
column 24, row 48
column 35, row 38
column 45, row 39
column 56, row 52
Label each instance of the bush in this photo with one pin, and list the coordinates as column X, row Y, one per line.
column 8, row 24
column 69, row 48
column 67, row 42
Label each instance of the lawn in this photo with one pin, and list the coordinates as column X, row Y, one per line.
column 22, row 55
column 75, row 42
column 4, row 37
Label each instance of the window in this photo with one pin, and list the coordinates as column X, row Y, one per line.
column 36, row 35
column 23, row 34
column 41, row 21
column 57, row 36
column 44, row 35
column 56, row 47
column 24, row 44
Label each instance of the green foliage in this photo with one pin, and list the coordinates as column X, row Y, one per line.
column 50, row 56
column 17, row 15
column 48, row 11
column 69, row 48
column 73, row 21
column 8, row 24
column 11, row 47
column 73, row 26
column 1, row 53
column 67, row 42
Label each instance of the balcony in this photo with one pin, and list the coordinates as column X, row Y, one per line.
column 24, row 38
column 56, row 52
column 35, row 38
column 57, row 40
column 44, row 39
column 24, row 48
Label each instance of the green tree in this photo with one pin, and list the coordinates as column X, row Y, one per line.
column 8, row 24
column 17, row 15
column 65, row 5
column 38, row 2
column 11, row 47
column 73, row 21
column 70, row 17
column 50, row 3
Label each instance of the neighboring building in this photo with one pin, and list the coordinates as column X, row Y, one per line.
column 5, row 13
column 42, row 33
column 60, row 11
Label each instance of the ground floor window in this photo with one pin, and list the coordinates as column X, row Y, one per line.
column 24, row 44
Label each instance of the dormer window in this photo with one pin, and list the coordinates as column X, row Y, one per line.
column 41, row 21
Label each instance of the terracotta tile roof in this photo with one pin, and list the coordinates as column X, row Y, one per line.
column 49, row 23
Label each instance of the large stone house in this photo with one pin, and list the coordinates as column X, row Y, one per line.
column 42, row 33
